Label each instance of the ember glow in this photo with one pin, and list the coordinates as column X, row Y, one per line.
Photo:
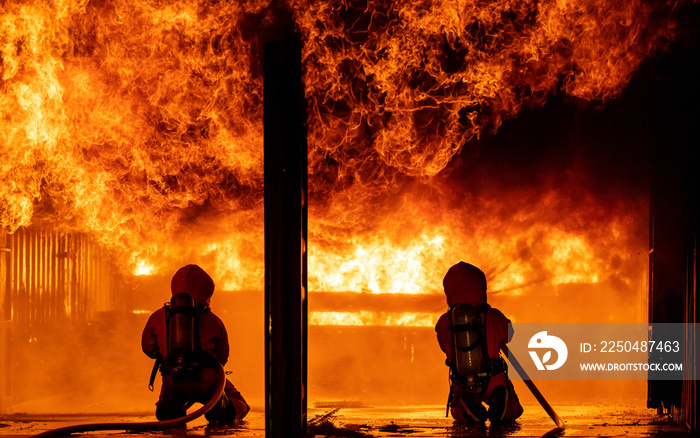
column 140, row 124
column 364, row 317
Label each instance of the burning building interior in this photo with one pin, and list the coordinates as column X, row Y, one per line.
column 550, row 143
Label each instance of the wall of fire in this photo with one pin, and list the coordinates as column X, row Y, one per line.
column 52, row 285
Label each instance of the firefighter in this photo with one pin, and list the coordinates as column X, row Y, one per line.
column 471, row 334
column 191, row 378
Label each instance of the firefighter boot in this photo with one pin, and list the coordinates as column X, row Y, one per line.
column 499, row 402
column 473, row 410
column 223, row 412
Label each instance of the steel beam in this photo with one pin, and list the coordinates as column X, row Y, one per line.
column 286, row 191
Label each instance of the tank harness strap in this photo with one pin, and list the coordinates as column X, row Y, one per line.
column 166, row 307
column 183, row 309
column 449, row 364
column 465, row 328
column 483, row 311
column 154, row 371
column 449, row 402
column 495, row 365
column 197, row 340
column 159, row 359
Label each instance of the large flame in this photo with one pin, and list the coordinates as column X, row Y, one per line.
column 140, row 122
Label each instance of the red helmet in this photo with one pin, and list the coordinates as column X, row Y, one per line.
column 192, row 280
column 465, row 284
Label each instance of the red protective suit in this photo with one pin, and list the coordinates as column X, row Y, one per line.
column 466, row 284
column 177, row 394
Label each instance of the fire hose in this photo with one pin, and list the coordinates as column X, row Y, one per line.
column 147, row 425
column 531, row 385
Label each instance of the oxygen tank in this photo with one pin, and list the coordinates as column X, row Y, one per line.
column 466, row 332
column 181, row 331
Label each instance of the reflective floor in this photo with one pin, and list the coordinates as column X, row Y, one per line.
column 347, row 420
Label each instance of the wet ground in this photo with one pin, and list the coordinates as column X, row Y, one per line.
column 347, row 420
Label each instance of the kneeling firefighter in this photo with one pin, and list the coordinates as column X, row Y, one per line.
column 189, row 342
column 471, row 334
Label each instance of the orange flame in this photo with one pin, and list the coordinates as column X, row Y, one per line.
column 363, row 318
column 141, row 123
